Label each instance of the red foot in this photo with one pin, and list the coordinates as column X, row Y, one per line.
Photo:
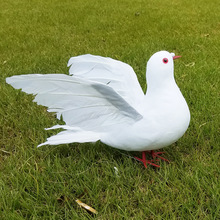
column 154, row 155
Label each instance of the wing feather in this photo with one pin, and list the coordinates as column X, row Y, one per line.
column 82, row 103
column 116, row 74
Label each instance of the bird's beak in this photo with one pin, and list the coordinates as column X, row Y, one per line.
column 176, row 57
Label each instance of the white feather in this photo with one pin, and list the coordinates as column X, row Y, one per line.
column 116, row 74
column 82, row 103
column 70, row 136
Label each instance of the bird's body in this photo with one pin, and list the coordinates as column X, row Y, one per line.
column 102, row 100
column 160, row 126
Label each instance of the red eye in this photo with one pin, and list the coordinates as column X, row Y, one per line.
column 165, row 60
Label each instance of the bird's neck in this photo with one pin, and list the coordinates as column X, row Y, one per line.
column 159, row 86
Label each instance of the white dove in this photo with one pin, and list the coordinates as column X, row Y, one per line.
column 101, row 99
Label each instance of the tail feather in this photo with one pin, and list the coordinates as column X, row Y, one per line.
column 71, row 136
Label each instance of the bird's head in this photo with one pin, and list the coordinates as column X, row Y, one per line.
column 160, row 67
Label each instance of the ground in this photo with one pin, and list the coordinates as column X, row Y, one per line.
column 43, row 183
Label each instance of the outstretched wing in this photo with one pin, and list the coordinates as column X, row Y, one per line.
column 116, row 74
column 82, row 103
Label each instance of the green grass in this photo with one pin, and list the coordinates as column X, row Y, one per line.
column 39, row 37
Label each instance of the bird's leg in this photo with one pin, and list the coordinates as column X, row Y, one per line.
column 157, row 155
column 144, row 161
column 154, row 156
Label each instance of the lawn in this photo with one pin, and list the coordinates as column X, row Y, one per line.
column 43, row 183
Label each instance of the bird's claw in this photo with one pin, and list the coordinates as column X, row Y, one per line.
column 145, row 162
column 154, row 156
column 157, row 154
